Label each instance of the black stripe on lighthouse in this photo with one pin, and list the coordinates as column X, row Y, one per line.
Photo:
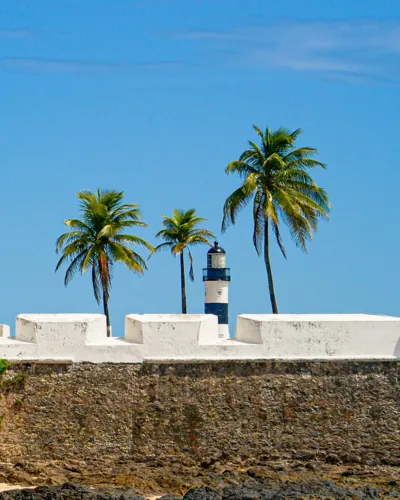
column 220, row 310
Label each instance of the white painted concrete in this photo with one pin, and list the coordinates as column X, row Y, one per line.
column 82, row 337
column 171, row 332
column 321, row 335
column 73, row 329
column 75, row 337
column 223, row 332
column 4, row 331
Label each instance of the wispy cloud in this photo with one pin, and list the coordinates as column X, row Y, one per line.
column 74, row 66
column 15, row 33
column 368, row 49
column 206, row 35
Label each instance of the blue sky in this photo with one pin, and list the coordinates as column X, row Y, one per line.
column 155, row 97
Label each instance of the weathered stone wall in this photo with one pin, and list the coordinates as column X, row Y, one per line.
column 335, row 411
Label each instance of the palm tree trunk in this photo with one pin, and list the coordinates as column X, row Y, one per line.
column 269, row 270
column 183, row 284
column 107, row 313
column 105, row 277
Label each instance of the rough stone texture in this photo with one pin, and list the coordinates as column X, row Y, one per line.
column 316, row 489
column 320, row 489
column 66, row 491
column 202, row 413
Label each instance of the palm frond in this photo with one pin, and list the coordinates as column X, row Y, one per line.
column 162, row 246
column 134, row 240
column 181, row 231
column 275, row 228
column 258, row 153
column 125, row 255
column 191, row 270
column 200, row 235
column 304, row 200
column 237, row 201
column 282, row 185
column 74, row 247
column 71, row 236
column 78, row 224
column 298, row 225
column 314, row 193
column 198, row 240
column 96, row 284
column 90, row 258
column 106, row 231
column 97, row 239
column 133, row 209
column 240, row 167
column 258, row 219
column 179, row 247
column 74, row 266
column 305, row 163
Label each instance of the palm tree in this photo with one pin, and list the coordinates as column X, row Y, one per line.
column 99, row 240
column 180, row 232
column 275, row 177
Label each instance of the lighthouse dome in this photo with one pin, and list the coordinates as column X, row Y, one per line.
column 216, row 248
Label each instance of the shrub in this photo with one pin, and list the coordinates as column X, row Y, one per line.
column 4, row 364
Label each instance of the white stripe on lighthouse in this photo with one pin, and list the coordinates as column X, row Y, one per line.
column 216, row 292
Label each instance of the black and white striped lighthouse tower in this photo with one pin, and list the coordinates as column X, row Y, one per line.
column 216, row 277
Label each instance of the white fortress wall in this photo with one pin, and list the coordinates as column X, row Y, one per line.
column 4, row 331
column 322, row 335
column 169, row 337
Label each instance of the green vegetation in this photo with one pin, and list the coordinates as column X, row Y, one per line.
column 181, row 232
column 275, row 178
column 99, row 240
column 16, row 383
column 19, row 403
column 4, row 365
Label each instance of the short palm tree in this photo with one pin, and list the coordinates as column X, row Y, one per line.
column 98, row 240
column 181, row 232
column 275, row 176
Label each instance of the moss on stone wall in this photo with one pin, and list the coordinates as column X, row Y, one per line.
column 4, row 364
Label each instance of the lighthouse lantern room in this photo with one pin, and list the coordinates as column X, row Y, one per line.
column 216, row 277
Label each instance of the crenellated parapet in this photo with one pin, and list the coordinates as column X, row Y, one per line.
column 169, row 337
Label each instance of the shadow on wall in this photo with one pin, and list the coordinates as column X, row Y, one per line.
column 396, row 352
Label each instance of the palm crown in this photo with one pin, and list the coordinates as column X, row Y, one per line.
column 275, row 177
column 180, row 232
column 98, row 240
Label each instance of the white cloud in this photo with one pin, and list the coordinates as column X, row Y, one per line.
column 369, row 48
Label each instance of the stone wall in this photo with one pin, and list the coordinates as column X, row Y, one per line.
column 334, row 411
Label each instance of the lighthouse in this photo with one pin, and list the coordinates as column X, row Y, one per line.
column 216, row 277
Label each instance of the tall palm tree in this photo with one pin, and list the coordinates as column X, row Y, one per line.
column 98, row 240
column 181, row 232
column 275, row 176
